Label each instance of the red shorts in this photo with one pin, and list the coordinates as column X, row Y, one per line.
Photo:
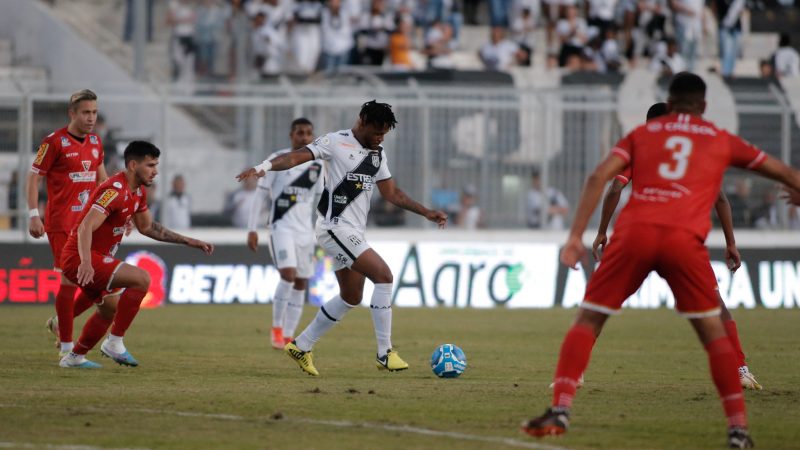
column 57, row 239
column 104, row 269
column 678, row 255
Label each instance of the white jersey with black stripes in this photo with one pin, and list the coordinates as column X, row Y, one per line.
column 351, row 172
column 291, row 195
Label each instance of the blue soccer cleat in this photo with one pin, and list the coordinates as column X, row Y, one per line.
column 123, row 359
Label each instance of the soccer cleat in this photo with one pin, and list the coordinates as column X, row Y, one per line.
column 748, row 380
column 52, row 326
column 277, row 338
column 391, row 362
column 123, row 359
column 303, row 359
column 72, row 361
column 552, row 423
column 739, row 438
column 577, row 386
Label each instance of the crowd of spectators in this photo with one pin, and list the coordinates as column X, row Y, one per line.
column 308, row 36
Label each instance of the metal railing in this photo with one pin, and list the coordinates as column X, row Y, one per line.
column 449, row 139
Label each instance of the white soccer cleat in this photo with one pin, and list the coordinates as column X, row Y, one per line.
column 748, row 380
column 73, row 361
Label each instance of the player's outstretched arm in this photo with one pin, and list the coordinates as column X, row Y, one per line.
column 610, row 202
column 88, row 225
column 394, row 195
column 778, row 171
column 35, row 226
column 282, row 162
column 574, row 251
column 791, row 195
column 723, row 208
column 154, row 230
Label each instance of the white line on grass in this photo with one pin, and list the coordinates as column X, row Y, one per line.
column 59, row 446
column 332, row 423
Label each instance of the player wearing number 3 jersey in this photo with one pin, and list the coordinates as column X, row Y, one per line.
column 677, row 163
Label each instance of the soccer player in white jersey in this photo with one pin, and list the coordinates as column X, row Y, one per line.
column 291, row 195
column 356, row 163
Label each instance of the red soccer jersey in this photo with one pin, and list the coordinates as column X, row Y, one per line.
column 71, row 170
column 114, row 199
column 677, row 163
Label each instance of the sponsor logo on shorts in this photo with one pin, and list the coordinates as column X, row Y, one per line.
column 341, row 258
column 119, row 231
column 282, row 255
column 108, row 196
column 108, row 260
column 354, row 240
column 40, row 152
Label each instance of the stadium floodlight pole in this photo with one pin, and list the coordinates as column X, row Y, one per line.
column 139, row 38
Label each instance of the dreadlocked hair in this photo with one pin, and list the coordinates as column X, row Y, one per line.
column 379, row 114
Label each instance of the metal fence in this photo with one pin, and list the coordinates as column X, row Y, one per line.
column 449, row 140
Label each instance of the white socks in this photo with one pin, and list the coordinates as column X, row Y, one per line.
column 67, row 347
column 327, row 316
column 115, row 343
column 279, row 301
column 381, row 309
column 294, row 309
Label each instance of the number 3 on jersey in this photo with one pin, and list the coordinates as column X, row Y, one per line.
column 681, row 148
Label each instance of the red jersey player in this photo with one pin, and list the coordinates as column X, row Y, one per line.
column 677, row 165
column 723, row 209
column 72, row 161
column 88, row 257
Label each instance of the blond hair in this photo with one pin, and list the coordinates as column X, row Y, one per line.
column 77, row 97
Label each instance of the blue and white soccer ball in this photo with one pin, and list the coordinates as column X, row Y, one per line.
column 448, row 361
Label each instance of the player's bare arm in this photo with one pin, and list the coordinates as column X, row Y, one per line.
column 723, row 208
column 778, row 171
column 102, row 174
column 397, row 197
column 154, row 230
column 574, row 251
column 610, row 202
column 282, row 162
column 88, row 225
column 36, row 226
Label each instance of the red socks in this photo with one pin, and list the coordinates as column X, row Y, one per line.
column 733, row 334
column 572, row 362
column 127, row 308
column 722, row 360
column 64, row 301
column 93, row 331
column 82, row 303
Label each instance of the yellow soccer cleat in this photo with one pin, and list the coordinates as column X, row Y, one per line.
column 303, row 359
column 391, row 362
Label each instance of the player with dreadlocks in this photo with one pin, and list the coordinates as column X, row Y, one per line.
column 356, row 162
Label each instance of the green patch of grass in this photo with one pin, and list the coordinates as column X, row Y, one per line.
column 208, row 379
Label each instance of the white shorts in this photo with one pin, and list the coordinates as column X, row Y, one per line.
column 292, row 250
column 344, row 245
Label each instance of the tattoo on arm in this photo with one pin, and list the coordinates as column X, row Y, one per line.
column 161, row 233
column 404, row 201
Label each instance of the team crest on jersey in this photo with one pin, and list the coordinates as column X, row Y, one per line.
column 93, row 140
column 95, row 153
column 376, row 160
column 65, row 142
column 118, row 185
column 40, row 153
column 86, row 165
column 108, row 196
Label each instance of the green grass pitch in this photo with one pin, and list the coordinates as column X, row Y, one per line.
column 208, row 379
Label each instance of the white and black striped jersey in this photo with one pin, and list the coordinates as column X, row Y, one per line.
column 351, row 172
column 291, row 194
